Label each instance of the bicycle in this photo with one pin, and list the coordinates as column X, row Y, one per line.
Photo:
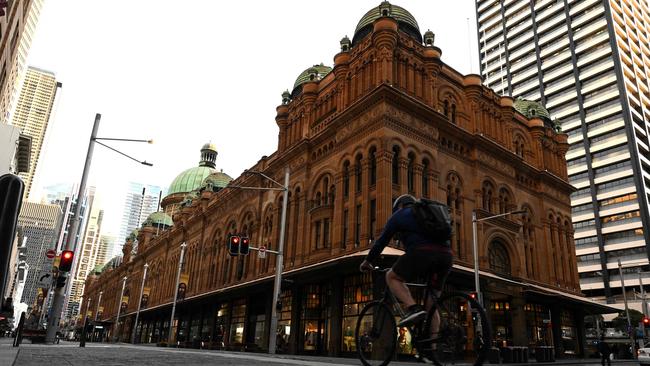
column 377, row 334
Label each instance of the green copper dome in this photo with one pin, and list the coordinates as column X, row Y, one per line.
column 134, row 235
column 314, row 73
column 405, row 21
column 533, row 109
column 190, row 179
column 158, row 219
column 216, row 181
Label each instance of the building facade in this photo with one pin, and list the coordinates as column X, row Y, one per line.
column 389, row 118
column 32, row 114
column 40, row 224
column 13, row 21
column 588, row 63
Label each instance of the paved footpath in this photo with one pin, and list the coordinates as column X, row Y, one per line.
column 124, row 354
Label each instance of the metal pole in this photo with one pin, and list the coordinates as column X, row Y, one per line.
column 477, row 284
column 92, row 336
column 116, row 336
column 137, row 313
column 627, row 310
column 171, row 336
column 59, row 292
column 278, row 266
column 643, row 305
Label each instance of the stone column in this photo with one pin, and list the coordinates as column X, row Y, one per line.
column 303, row 234
column 365, row 202
column 336, row 307
column 519, row 326
column 337, row 220
column 417, row 180
column 384, row 186
column 403, row 170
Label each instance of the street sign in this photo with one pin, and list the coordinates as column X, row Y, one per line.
column 261, row 253
column 50, row 253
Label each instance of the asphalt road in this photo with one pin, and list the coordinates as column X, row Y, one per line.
column 122, row 354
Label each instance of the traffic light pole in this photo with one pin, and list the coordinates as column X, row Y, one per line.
column 59, row 292
column 172, row 333
column 278, row 266
column 627, row 311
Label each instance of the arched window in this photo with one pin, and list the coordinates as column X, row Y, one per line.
column 487, row 191
column 454, row 200
column 395, row 164
column 519, row 145
column 326, row 183
column 453, row 113
column 346, row 178
column 409, row 172
column 357, row 172
column 373, row 165
column 505, row 201
column 499, row 258
column 425, row 178
column 445, row 109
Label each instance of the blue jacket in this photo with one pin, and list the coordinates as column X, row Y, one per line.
column 405, row 223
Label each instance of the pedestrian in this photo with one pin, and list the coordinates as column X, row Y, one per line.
column 604, row 350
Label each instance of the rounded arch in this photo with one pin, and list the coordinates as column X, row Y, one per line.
column 374, row 141
column 506, row 199
column 496, row 234
column 498, row 257
column 249, row 209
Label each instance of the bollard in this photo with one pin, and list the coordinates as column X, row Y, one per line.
column 19, row 331
column 82, row 341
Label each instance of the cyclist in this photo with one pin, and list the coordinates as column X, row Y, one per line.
column 423, row 257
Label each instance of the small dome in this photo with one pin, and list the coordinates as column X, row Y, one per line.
column 405, row 21
column 190, row 179
column 134, row 235
column 314, row 73
column 216, row 181
column 533, row 109
column 209, row 146
column 158, row 219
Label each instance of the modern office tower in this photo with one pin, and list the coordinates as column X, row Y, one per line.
column 588, row 63
column 32, row 114
column 15, row 28
column 16, row 76
column 106, row 244
column 40, row 224
column 87, row 252
column 140, row 201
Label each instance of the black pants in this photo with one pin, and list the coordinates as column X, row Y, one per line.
column 604, row 357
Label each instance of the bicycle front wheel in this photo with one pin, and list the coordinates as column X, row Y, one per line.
column 459, row 332
column 376, row 334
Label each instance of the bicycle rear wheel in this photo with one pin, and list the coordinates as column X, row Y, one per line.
column 463, row 336
column 376, row 334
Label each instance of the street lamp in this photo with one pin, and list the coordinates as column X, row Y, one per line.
column 477, row 285
column 59, row 292
column 137, row 314
column 116, row 336
column 170, row 337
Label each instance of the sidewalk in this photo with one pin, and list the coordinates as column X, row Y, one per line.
column 7, row 352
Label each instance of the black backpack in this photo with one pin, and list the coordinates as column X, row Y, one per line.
column 433, row 217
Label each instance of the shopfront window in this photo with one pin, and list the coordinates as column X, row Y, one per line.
column 237, row 322
column 205, row 329
column 568, row 333
column 315, row 317
column 194, row 328
column 357, row 291
column 501, row 320
column 283, row 331
column 538, row 325
column 182, row 330
column 220, row 326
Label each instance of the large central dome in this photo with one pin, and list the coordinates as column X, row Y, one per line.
column 405, row 21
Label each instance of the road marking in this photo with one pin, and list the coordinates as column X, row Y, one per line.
column 242, row 356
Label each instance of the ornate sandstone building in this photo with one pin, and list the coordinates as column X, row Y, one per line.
column 389, row 118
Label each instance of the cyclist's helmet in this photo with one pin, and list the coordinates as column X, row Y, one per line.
column 403, row 201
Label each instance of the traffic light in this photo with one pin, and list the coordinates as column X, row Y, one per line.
column 244, row 247
column 233, row 245
column 646, row 321
column 60, row 281
column 66, row 260
column 473, row 295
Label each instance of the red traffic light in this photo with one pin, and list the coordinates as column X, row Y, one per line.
column 233, row 245
column 66, row 261
column 244, row 248
column 473, row 295
column 646, row 320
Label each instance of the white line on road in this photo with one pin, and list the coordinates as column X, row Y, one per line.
column 286, row 361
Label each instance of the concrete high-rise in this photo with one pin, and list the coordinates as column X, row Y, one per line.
column 86, row 258
column 16, row 30
column 588, row 63
column 16, row 76
column 40, row 224
column 140, row 201
column 32, row 114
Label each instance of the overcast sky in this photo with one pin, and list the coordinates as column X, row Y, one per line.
column 187, row 72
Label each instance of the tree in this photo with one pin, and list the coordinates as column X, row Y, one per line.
column 620, row 322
